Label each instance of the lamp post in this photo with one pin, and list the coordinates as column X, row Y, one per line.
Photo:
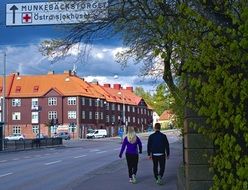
column 3, row 100
column 97, row 111
column 123, row 111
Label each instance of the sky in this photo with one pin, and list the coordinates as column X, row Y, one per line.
column 21, row 45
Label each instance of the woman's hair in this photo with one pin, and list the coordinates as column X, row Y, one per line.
column 131, row 135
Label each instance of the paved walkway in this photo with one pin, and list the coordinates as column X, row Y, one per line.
column 115, row 176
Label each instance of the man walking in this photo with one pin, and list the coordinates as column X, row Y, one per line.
column 158, row 150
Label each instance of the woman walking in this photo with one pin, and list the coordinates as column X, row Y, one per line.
column 131, row 143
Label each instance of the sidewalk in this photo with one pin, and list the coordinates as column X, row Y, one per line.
column 115, row 176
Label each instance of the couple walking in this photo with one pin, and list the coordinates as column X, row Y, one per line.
column 157, row 149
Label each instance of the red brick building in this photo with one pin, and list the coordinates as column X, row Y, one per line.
column 73, row 105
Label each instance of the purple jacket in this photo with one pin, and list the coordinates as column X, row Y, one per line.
column 131, row 148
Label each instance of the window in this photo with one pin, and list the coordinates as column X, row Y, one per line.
column 107, row 118
column 72, row 114
column 128, row 108
column 35, row 117
column 35, row 129
column 83, row 100
column 101, row 115
column 83, row 114
column 16, row 102
column 90, row 115
column 16, row 130
column 141, row 110
column 52, row 115
column 16, row 116
column 113, row 107
column 96, row 115
column 72, row 128
column 52, row 101
column 118, row 107
column 133, row 109
column 97, row 102
column 128, row 119
column 107, row 106
column 71, row 100
column 133, row 119
column 113, row 119
column 54, row 128
column 90, row 102
column 18, row 89
column 34, row 103
column 36, row 89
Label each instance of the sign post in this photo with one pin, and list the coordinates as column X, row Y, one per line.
column 58, row 12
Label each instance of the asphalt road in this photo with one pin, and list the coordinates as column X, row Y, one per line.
column 63, row 167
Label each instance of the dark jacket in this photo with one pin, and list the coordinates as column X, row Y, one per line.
column 158, row 143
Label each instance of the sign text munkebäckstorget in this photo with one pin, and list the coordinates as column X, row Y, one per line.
column 62, row 12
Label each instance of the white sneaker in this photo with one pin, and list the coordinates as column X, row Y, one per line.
column 130, row 180
column 134, row 178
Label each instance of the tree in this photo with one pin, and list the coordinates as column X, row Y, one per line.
column 202, row 43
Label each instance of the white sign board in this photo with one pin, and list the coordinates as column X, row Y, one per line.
column 61, row 12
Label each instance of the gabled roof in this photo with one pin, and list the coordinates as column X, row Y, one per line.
column 166, row 115
column 66, row 84
column 121, row 95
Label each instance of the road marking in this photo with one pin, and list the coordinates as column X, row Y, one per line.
column 80, row 156
column 3, row 175
column 16, row 159
column 94, row 150
column 27, row 157
column 101, row 152
column 49, row 163
column 3, row 160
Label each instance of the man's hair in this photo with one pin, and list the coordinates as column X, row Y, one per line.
column 157, row 126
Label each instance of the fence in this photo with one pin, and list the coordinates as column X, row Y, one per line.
column 14, row 145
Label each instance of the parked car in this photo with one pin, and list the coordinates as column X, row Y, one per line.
column 63, row 135
column 98, row 133
column 15, row 137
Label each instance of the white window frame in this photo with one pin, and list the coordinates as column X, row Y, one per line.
column 83, row 114
column 34, row 103
column 72, row 114
column 16, row 130
column 16, row 116
column 52, row 115
column 90, row 114
column 83, row 101
column 35, row 129
column 52, row 101
column 35, row 117
column 90, row 102
column 72, row 100
column 16, row 102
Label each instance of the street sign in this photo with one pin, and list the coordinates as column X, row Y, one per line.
column 60, row 12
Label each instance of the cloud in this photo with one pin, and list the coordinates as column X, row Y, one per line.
column 99, row 63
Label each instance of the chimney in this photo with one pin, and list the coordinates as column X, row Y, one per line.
column 130, row 88
column 117, row 86
column 68, row 72
column 106, row 85
column 50, row 72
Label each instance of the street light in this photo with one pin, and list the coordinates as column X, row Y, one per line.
column 3, row 100
column 97, row 111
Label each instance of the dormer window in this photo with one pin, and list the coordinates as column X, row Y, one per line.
column 36, row 89
column 18, row 89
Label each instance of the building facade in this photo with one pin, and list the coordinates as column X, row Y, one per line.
column 51, row 103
